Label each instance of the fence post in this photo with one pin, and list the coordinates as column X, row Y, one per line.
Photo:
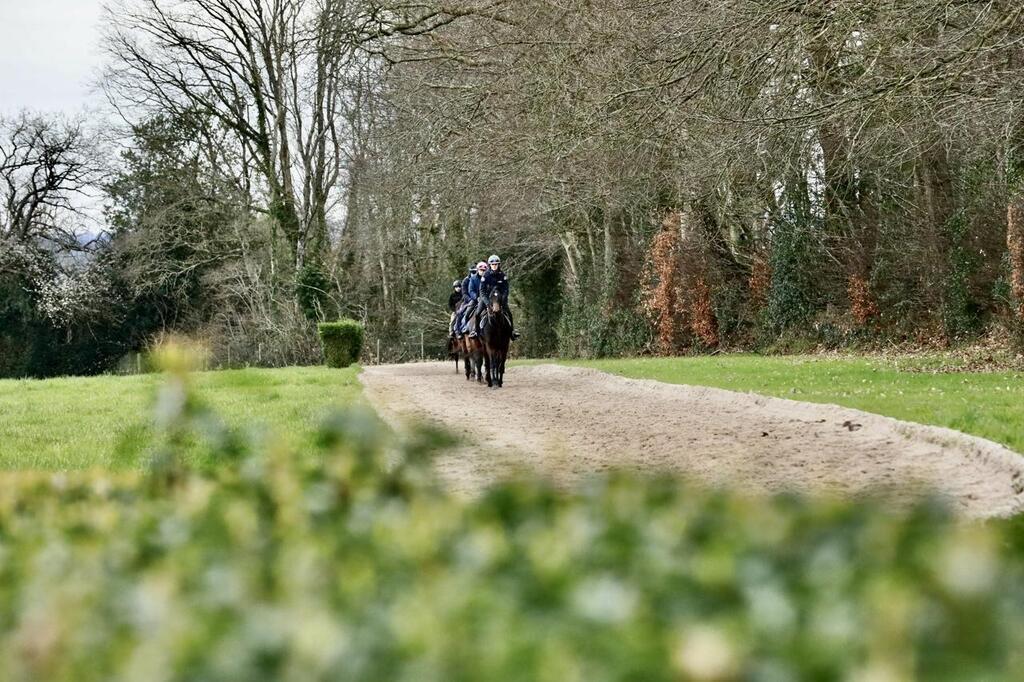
column 378, row 350
column 423, row 352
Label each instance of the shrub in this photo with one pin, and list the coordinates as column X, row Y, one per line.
column 353, row 564
column 593, row 329
column 343, row 342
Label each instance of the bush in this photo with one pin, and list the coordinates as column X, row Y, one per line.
column 592, row 330
column 343, row 342
column 351, row 563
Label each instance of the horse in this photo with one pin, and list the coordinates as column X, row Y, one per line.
column 472, row 353
column 495, row 335
column 454, row 350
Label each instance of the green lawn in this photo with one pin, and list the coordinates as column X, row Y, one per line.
column 77, row 423
column 987, row 404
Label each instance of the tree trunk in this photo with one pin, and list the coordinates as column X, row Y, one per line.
column 609, row 254
column 1015, row 245
column 568, row 240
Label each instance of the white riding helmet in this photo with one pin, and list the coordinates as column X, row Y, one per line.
column 494, row 259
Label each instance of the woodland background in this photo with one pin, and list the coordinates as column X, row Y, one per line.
column 659, row 177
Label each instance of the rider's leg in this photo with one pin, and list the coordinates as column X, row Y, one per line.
column 508, row 316
column 480, row 307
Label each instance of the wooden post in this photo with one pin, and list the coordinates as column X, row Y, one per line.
column 378, row 350
column 423, row 352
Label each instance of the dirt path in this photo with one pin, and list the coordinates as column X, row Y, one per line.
column 566, row 422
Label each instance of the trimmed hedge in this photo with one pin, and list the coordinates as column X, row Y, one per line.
column 343, row 342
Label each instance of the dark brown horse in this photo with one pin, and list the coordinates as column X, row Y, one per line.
column 467, row 351
column 454, row 350
column 495, row 335
column 472, row 352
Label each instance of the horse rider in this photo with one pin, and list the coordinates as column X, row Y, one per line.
column 454, row 300
column 494, row 278
column 472, row 292
column 460, row 311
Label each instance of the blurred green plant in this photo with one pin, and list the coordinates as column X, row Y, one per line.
column 356, row 565
column 342, row 341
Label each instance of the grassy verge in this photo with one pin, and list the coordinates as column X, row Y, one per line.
column 986, row 404
column 77, row 423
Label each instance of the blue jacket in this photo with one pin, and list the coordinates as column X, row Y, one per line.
column 465, row 288
column 495, row 279
column 473, row 289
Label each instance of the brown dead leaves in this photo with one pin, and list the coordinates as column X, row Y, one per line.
column 679, row 299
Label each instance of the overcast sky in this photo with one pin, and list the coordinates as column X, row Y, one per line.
column 48, row 54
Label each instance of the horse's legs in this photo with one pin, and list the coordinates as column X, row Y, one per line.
column 488, row 362
column 467, row 357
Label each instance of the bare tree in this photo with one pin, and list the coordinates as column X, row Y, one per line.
column 46, row 168
column 278, row 73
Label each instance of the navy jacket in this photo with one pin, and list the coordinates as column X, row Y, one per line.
column 495, row 279
column 473, row 290
column 465, row 288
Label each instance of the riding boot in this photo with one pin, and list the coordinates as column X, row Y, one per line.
column 515, row 333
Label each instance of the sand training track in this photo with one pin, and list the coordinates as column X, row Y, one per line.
column 566, row 422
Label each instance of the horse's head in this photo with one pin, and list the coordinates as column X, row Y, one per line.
column 495, row 302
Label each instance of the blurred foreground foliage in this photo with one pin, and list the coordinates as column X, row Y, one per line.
column 352, row 563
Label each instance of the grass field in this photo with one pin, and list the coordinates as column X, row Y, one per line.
column 987, row 404
column 77, row 423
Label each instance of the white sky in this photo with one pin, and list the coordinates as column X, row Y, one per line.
column 49, row 54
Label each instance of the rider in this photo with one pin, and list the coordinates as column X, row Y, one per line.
column 472, row 291
column 464, row 302
column 454, row 300
column 494, row 279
